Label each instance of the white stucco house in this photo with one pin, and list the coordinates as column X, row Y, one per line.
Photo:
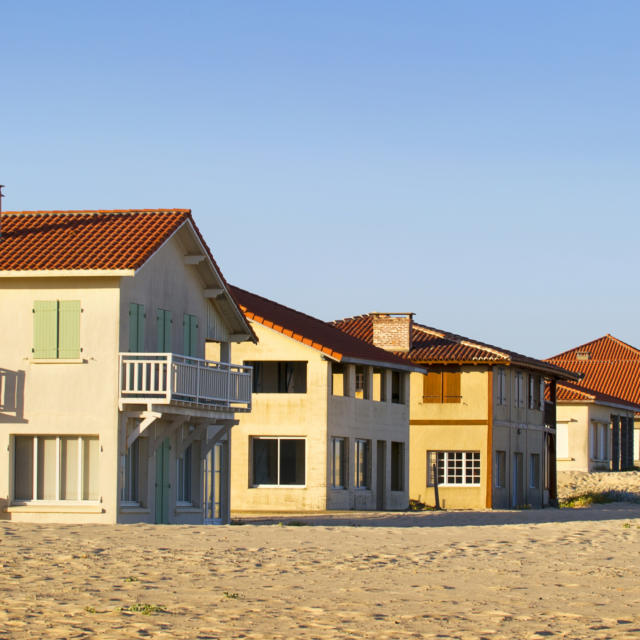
column 108, row 410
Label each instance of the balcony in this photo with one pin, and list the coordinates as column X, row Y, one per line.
column 168, row 378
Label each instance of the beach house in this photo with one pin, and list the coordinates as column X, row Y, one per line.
column 610, row 367
column 108, row 410
column 588, row 428
column 481, row 433
column 329, row 426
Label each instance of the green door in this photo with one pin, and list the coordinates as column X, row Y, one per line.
column 162, row 482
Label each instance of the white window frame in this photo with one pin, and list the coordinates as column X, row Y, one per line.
column 449, row 458
column 359, row 444
column 279, row 486
column 344, row 469
column 80, row 463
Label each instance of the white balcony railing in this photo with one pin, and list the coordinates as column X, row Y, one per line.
column 164, row 378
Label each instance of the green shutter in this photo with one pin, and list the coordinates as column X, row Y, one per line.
column 141, row 317
column 45, row 329
column 167, row 331
column 133, row 327
column 69, row 329
column 193, row 335
column 186, row 335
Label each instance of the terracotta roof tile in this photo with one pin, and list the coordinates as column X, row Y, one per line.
column 311, row 331
column 609, row 366
column 84, row 240
column 572, row 392
column 431, row 345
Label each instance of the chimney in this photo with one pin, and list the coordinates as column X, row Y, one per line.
column 392, row 331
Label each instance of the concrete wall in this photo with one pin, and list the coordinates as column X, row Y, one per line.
column 315, row 416
column 61, row 398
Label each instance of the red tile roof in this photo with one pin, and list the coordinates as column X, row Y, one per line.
column 609, row 365
column 431, row 346
column 571, row 392
column 311, row 331
column 84, row 240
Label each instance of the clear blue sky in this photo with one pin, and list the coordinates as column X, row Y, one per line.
column 476, row 163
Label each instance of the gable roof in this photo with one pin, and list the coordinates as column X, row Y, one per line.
column 315, row 333
column 99, row 242
column 570, row 392
column 609, row 366
column 433, row 346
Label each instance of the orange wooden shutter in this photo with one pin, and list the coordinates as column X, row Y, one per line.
column 432, row 387
column 452, row 386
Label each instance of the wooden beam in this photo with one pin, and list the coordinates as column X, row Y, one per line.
column 194, row 258
column 150, row 418
column 213, row 293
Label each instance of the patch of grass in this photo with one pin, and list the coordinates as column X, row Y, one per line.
column 131, row 579
column 416, row 505
column 627, row 525
column 587, row 499
column 89, row 609
column 144, row 608
column 231, row 595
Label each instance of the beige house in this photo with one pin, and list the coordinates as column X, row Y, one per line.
column 588, row 428
column 481, row 431
column 329, row 426
column 109, row 411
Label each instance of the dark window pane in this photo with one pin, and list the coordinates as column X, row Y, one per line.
column 265, row 461
column 292, row 469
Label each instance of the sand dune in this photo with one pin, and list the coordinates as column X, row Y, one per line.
column 524, row 574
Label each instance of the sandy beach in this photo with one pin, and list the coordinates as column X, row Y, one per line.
column 569, row 573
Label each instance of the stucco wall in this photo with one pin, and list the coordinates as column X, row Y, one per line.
column 62, row 398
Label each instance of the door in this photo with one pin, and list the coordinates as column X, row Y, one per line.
column 517, row 486
column 381, row 474
column 213, row 486
column 162, row 482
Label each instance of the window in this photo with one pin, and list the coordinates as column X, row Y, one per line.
column 598, row 435
column 541, row 395
column 500, row 470
column 56, row 468
column 460, row 468
column 562, row 440
column 534, row 471
column 397, row 466
column 501, row 386
column 136, row 327
column 131, row 479
column 190, row 335
column 56, row 329
column 441, row 386
column 185, row 469
column 279, row 377
column 163, row 329
column 397, row 387
column 338, row 463
column 518, row 396
column 533, row 401
column 362, row 390
column 278, row 461
column 362, row 467
column 337, row 379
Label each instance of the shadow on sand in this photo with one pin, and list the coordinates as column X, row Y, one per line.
column 594, row 513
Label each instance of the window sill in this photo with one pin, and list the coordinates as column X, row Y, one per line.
column 54, row 508
column 187, row 508
column 58, row 361
column 454, row 486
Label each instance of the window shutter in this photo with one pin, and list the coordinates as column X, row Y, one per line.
column 133, row 327
column 451, row 385
column 503, row 387
column 167, row 331
column 193, row 336
column 432, row 387
column 186, row 334
column 541, row 407
column 160, row 330
column 45, row 329
column 69, row 329
column 141, row 317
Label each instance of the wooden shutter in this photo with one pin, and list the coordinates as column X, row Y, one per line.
column 163, row 328
column 451, row 386
column 45, row 329
column 136, row 327
column 69, row 329
column 166, row 329
column 432, row 387
column 186, row 334
column 193, row 336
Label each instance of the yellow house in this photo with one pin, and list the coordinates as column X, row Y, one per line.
column 109, row 411
column 588, row 428
column 329, row 426
column 482, row 434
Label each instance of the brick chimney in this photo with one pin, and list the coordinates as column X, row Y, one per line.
column 392, row 331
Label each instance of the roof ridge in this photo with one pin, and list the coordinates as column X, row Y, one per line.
column 93, row 211
column 467, row 342
column 580, row 346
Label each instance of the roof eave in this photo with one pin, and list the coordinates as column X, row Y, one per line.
column 70, row 273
